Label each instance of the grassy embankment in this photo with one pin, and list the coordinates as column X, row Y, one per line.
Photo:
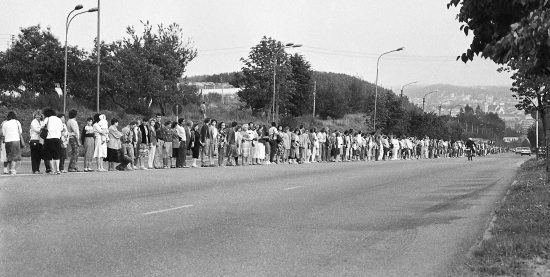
column 519, row 244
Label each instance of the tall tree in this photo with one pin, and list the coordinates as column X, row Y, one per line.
column 35, row 63
column 509, row 32
column 301, row 102
column 143, row 69
column 264, row 59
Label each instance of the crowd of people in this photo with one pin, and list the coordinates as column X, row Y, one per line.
column 151, row 143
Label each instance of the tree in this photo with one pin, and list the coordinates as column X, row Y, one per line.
column 301, row 101
column 512, row 33
column 506, row 30
column 263, row 60
column 142, row 70
column 531, row 91
column 35, row 63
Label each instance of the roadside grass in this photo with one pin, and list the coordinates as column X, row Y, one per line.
column 519, row 244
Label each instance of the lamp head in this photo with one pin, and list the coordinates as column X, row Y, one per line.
column 400, row 48
column 78, row 7
column 93, row 10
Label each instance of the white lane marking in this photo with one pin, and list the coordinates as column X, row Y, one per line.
column 296, row 187
column 167, row 210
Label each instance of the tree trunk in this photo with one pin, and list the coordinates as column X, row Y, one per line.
column 162, row 106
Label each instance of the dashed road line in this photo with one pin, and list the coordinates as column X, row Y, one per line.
column 296, row 187
column 167, row 210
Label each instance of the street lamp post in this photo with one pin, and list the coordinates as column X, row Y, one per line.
column 67, row 24
column 376, row 83
column 424, row 98
column 288, row 45
column 98, row 43
column 76, row 8
column 406, row 86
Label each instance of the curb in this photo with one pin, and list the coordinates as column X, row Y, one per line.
column 488, row 231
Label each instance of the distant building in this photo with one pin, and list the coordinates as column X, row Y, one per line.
column 510, row 139
column 526, row 123
column 220, row 88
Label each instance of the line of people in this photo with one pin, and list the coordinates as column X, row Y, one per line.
column 150, row 143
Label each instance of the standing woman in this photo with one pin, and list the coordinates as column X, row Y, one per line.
column 222, row 141
column 152, row 144
column 52, row 144
column 100, row 141
column 36, row 142
column 195, row 144
column 89, row 144
column 246, row 144
column 239, row 144
column 175, row 144
column 11, row 129
column 114, row 144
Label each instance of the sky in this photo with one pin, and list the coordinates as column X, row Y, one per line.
column 345, row 36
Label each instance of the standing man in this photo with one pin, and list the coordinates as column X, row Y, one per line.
column 273, row 142
column 74, row 140
column 202, row 109
column 232, row 145
column 182, row 136
column 206, row 137
column 136, row 132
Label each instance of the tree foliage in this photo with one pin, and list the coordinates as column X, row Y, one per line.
column 267, row 62
column 32, row 66
column 143, row 69
column 136, row 72
column 507, row 30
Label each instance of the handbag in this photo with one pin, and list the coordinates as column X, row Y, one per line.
column 21, row 141
column 44, row 131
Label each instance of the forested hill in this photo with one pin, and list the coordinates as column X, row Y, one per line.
column 337, row 94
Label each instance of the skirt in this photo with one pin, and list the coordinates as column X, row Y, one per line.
column 52, row 149
column 112, row 155
column 100, row 150
column 260, row 151
column 143, row 150
column 245, row 148
column 89, row 146
column 13, row 151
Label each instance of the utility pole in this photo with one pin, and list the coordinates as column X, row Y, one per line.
column 314, row 95
column 12, row 40
column 221, row 80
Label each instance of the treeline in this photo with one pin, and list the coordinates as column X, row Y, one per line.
column 139, row 73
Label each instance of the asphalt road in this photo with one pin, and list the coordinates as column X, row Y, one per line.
column 394, row 218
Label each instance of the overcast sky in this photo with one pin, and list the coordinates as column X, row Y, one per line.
column 343, row 36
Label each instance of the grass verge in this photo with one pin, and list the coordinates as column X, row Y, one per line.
column 520, row 241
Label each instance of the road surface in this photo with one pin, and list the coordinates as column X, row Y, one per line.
column 388, row 218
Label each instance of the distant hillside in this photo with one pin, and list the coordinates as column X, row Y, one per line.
column 497, row 93
column 337, row 94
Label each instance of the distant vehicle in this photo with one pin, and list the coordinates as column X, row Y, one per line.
column 525, row 151
column 517, row 150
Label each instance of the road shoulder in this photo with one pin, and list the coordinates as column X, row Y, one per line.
column 517, row 242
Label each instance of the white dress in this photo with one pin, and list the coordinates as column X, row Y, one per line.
column 100, row 150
